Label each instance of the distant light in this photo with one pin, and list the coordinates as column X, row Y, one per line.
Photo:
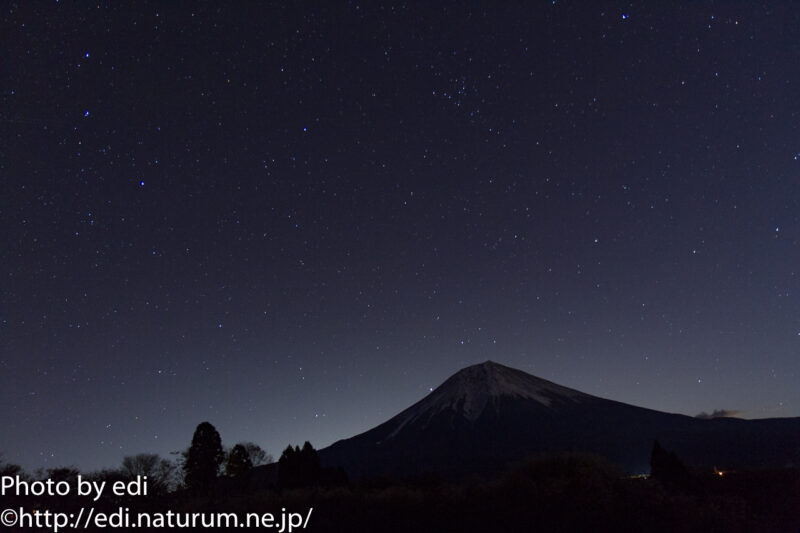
column 86, row 113
column 141, row 184
column 624, row 16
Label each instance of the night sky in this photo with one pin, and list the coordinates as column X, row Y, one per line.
column 293, row 222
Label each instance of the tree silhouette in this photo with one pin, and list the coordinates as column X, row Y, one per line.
column 257, row 455
column 8, row 469
column 62, row 473
column 203, row 458
column 309, row 465
column 160, row 472
column 298, row 468
column 238, row 461
column 287, row 467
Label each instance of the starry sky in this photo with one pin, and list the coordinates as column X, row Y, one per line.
column 294, row 221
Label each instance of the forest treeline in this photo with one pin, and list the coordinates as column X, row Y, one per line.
column 558, row 492
column 201, row 463
column 202, row 467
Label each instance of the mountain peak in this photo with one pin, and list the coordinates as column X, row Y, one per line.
column 490, row 379
column 488, row 364
column 468, row 391
column 488, row 367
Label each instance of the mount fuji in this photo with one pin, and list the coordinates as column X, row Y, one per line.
column 488, row 415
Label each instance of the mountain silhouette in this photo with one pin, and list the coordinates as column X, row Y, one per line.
column 488, row 415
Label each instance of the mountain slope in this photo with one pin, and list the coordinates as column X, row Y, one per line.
column 487, row 415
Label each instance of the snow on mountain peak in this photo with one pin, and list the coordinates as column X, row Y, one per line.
column 468, row 391
column 477, row 383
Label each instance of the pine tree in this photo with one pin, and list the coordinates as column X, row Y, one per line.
column 309, row 466
column 287, row 467
column 203, row 458
column 298, row 468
